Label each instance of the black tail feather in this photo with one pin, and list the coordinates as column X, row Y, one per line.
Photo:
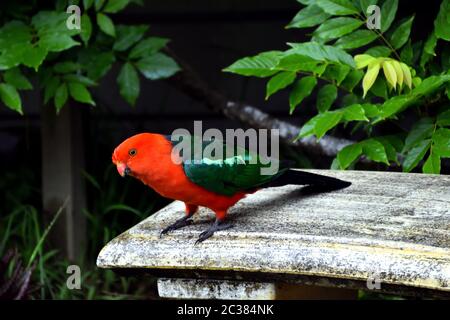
column 306, row 178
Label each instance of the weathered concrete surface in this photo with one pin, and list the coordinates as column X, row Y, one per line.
column 215, row 289
column 393, row 227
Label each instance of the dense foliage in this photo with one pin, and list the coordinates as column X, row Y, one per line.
column 343, row 62
column 31, row 269
column 35, row 41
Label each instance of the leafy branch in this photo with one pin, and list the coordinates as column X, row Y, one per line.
column 382, row 99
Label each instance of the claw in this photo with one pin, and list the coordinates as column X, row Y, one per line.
column 218, row 225
column 180, row 223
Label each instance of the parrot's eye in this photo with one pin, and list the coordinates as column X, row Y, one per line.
column 132, row 152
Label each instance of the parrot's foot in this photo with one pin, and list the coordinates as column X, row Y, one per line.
column 218, row 225
column 180, row 223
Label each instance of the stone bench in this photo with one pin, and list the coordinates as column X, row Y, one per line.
column 389, row 232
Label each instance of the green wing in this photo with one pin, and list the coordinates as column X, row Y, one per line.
column 228, row 175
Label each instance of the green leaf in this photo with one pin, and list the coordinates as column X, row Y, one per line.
column 375, row 151
column 260, row 65
column 79, row 93
column 322, row 52
column 128, row 36
column 325, row 122
column 443, row 119
column 364, row 4
column 407, row 54
column 114, row 6
column 66, row 67
column 337, row 7
column 396, row 140
column 349, row 99
column 80, row 79
column 401, row 34
column 354, row 112
column 147, row 47
column 370, row 76
column 379, row 51
column 379, row 88
column 34, row 57
column 430, row 84
column 441, row 140
column 157, row 66
column 433, row 163
column 336, row 72
column 348, row 155
column 15, row 78
column 448, row 90
column 52, row 31
column 15, row 40
column 99, row 4
column 337, row 27
column 301, row 90
column 86, row 28
column 391, row 152
column 308, row 17
column 335, row 165
column 356, row 39
column 428, row 49
column 50, row 89
column 370, row 110
column 128, row 81
column 10, row 97
column 308, row 127
column 87, row 4
column 430, row 44
column 279, row 81
column 388, row 12
column 105, row 24
column 420, row 131
column 396, row 104
column 416, row 154
column 297, row 62
column 96, row 63
column 442, row 22
column 325, row 97
column 61, row 96
column 352, row 79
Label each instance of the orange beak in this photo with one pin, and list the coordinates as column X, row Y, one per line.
column 122, row 169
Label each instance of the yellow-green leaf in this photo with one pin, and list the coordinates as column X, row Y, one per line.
column 389, row 73
column 370, row 76
column 398, row 72
column 406, row 74
column 363, row 60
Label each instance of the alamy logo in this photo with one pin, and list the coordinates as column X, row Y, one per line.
column 74, row 280
column 374, row 282
column 74, row 20
column 373, row 17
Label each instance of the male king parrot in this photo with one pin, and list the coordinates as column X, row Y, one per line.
column 215, row 184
